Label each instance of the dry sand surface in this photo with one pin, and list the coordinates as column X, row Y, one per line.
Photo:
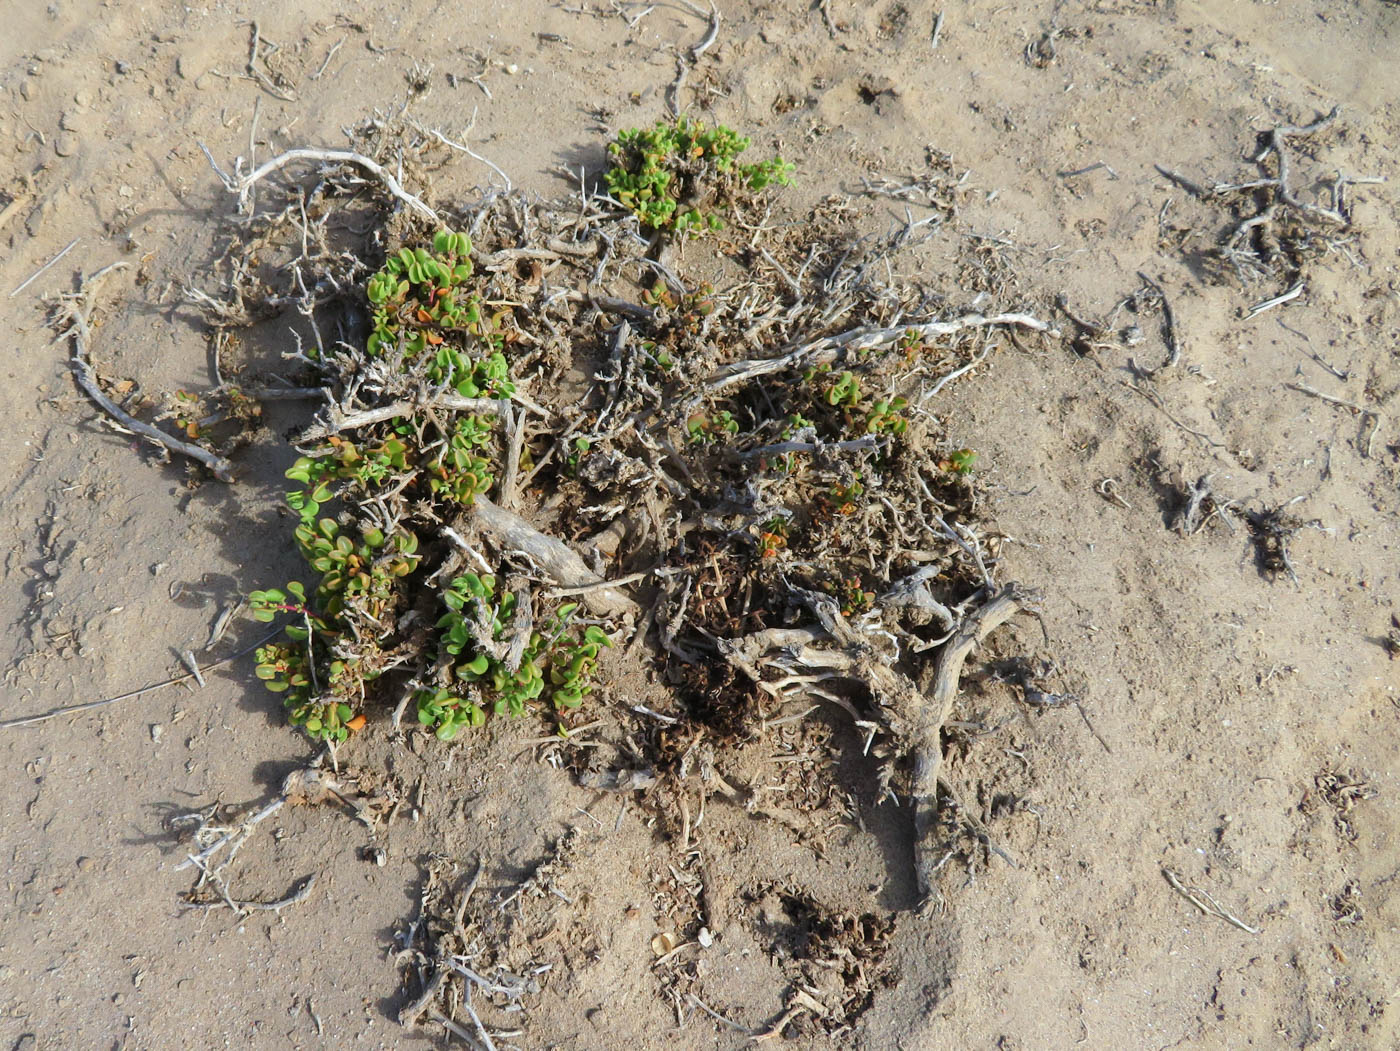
column 1239, row 726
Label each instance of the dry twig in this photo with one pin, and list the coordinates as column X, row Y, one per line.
column 1207, row 904
column 77, row 311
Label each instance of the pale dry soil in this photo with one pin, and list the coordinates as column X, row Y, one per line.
column 1226, row 701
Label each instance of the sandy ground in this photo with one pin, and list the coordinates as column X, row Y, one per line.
column 1248, row 725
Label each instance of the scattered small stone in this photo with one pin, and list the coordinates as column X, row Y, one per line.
column 26, row 90
column 157, row 731
column 182, row 67
column 123, row 67
column 65, row 145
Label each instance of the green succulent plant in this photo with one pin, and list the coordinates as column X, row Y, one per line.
column 662, row 173
column 556, row 661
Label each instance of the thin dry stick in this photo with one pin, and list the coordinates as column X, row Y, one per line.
column 329, row 55
column 964, row 370
column 1277, row 144
column 76, row 709
column 1269, row 304
column 242, row 184
column 695, row 1001
column 710, row 34
column 481, row 1033
column 1156, row 399
column 463, row 1033
column 78, row 312
column 1168, row 322
column 927, row 725
column 337, row 421
column 242, row 830
column 1375, row 415
column 515, row 445
column 241, row 907
column 410, row 1012
column 870, row 441
column 583, row 589
column 43, row 269
column 1192, row 187
column 861, row 339
column 1206, row 903
column 462, row 148
column 257, row 74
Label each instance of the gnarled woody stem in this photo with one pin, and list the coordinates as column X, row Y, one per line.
column 926, row 729
column 552, row 555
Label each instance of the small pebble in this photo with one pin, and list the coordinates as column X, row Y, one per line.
column 123, row 67
column 156, row 731
column 182, row 67
column 65, row 145
column 26, row 90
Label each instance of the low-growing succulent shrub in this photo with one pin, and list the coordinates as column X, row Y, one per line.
column 666, row 175
column 428, row 326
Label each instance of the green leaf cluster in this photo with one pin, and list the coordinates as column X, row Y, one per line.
column 660, row 173
column 706, row 429
column 459, row 470
column 419, row 301
column 285, row 667
column 417, row 292
column 844, row 391
column 884, row 417
column 556, row 660
column 960, row 462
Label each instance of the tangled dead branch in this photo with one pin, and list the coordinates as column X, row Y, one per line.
column 1276, row 233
